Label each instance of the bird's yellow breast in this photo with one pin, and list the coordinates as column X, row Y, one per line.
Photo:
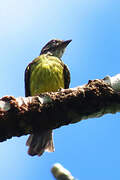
column 46, row 75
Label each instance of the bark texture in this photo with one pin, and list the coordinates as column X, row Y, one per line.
column 22, row 116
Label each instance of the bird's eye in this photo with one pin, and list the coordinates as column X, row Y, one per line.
column 54, row 42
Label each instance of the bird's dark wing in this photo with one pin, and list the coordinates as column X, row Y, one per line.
column 66, row 76
column 27, row 78
column 28, row 71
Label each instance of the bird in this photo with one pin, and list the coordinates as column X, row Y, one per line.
column 46, row 73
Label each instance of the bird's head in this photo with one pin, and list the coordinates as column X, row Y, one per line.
column 55, row 47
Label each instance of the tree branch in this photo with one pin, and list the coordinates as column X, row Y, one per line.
column 60, row 173
column 21, row 116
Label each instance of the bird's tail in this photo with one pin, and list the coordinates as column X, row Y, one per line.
column 40, row 142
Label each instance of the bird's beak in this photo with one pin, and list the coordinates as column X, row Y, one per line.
column 65, row 43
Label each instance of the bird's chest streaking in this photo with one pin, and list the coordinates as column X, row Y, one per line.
column 46, row 75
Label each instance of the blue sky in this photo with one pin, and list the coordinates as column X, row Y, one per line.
column 89, row 149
